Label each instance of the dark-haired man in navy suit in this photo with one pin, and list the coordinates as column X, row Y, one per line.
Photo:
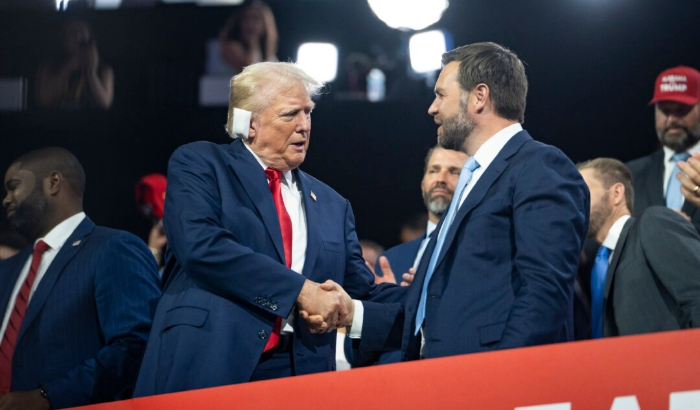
column 77, row 305
column 502, row 265
column 440, row 175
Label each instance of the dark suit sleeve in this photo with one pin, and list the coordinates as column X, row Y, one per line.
column 383, row 303
column 359, row 280
column 211, row 254
column 672, row 248
column 126, row 293
column 550, row 219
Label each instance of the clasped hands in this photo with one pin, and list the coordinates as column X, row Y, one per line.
column 325, row 306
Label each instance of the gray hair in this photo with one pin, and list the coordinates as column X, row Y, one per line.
column 257, row 85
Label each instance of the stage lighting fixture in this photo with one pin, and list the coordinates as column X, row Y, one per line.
column 207, row 2
column 425, row 50
column 408, row 14
column 319, row 60
column 107, row 4
column 219, row 2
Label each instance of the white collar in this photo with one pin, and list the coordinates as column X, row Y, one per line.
column 60, row 233
column 288, row 176
column 614, row 233
column 430, row 228
column 489, row 149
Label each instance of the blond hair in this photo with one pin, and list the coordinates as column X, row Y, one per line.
column 257, row 85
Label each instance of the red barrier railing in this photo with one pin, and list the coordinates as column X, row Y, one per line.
column 661, row 371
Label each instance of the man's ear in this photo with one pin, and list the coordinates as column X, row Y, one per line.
column 618, row 190
column 253, row 128
column 481, row 96
column 53, row 183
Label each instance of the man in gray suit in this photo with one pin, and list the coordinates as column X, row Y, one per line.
column 646, row 277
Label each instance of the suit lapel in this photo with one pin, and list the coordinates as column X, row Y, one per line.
column 621, row 241
column 9, row 276
column 70, row 248
column 252, row 177
column 488, row 178
column 312, row 212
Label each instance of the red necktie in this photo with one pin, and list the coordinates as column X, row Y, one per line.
column 7, row 346
column 286, row 227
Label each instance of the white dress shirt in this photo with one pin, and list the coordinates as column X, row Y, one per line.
column 487, row 153
column 55, row 239
column 424, row 244
column 614, row 235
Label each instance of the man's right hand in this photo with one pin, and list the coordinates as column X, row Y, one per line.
column 323, row 306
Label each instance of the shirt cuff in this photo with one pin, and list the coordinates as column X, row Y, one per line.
column 355, row 330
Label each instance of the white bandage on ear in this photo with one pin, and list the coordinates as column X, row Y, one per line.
column 241, row 123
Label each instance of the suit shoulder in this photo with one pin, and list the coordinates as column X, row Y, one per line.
column 660, row 217
column 535, row 155
column 200, row 148
column 536, row 151
column 642, row 163
column 103, row 234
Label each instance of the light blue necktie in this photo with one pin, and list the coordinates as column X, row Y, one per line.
column 600, row 270
column 464, row 177
column 674, row 197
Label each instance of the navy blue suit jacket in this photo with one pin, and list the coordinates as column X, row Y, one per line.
column 226, row 281
column 401, row 258
column 86, row 325
column 505, row 275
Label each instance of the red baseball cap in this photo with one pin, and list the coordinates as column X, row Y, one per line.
column 680, row 84
column 150, row 194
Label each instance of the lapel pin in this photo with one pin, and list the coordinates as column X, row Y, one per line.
column 76, row 243
column 313, row 196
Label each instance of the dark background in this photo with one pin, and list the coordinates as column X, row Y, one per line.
column 591, row 66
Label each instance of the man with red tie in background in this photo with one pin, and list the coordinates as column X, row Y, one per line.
column 252, row 238
column 77, row 305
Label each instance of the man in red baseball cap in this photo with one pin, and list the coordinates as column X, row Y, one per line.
column 676, row 103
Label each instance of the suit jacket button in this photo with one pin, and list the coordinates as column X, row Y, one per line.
column 262, row 334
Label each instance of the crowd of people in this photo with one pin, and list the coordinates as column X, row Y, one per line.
column 263, row 264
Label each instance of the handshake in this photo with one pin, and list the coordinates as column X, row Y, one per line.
column 325, row 306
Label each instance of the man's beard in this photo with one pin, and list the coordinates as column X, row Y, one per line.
column 599, row 214
column 437, row 205
column 680, row 142
column 27, row 216
column 456, row 129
